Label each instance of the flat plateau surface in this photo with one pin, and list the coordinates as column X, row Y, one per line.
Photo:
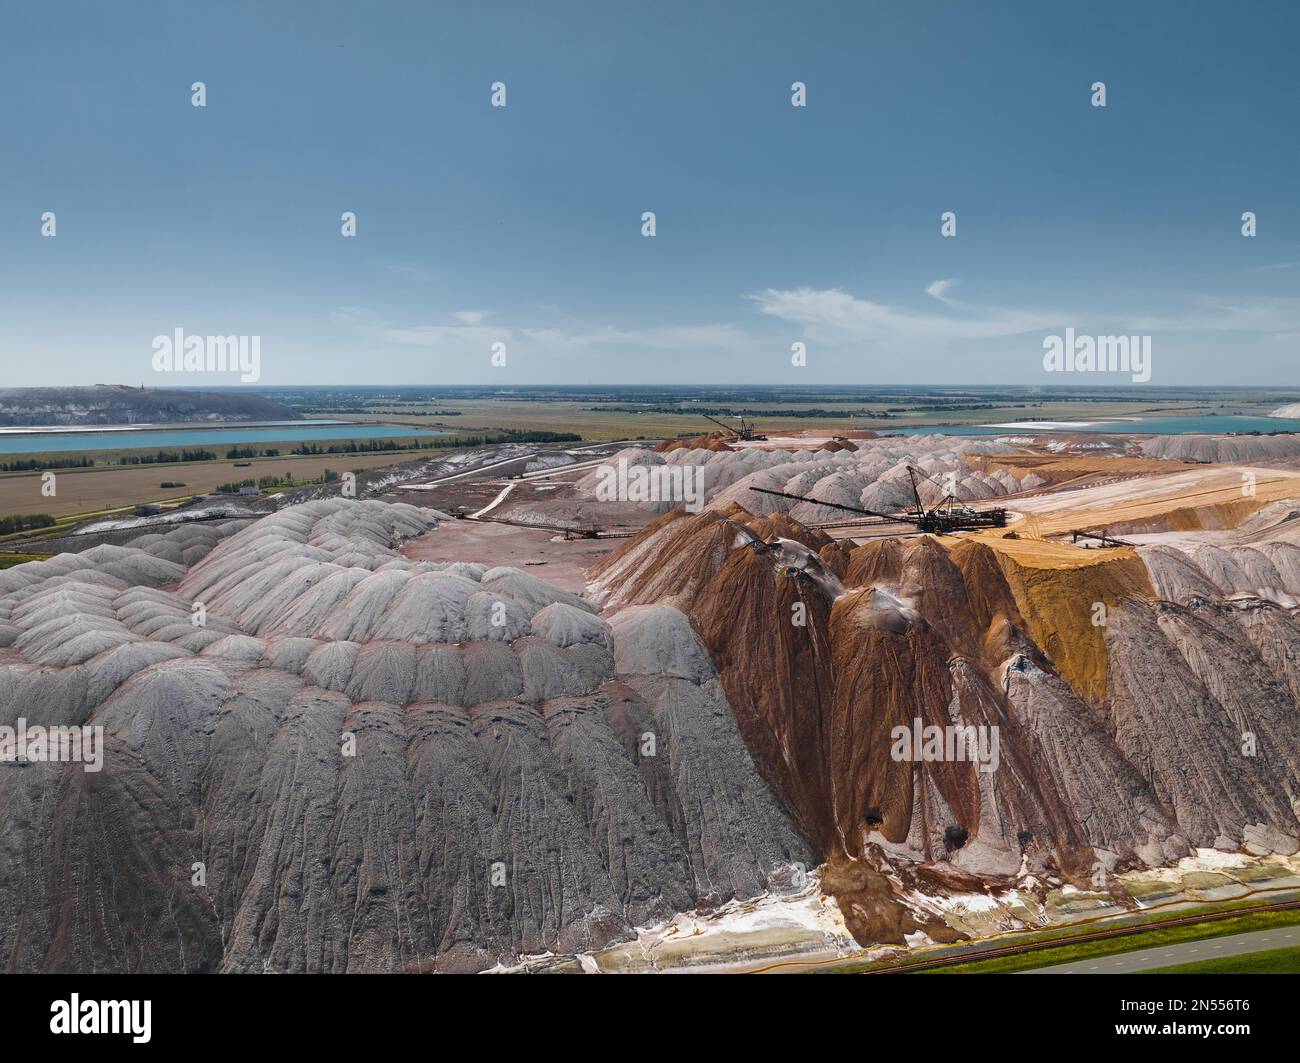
column 1145, row 498
column 562, row 564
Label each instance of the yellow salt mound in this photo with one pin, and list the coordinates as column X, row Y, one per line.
column 1057, row 587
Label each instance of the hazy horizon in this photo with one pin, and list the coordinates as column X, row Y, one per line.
column 1115, row 386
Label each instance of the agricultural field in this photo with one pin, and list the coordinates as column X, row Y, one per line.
column 613, row 420
column 110, row 487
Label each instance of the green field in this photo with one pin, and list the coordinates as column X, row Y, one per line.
column 107, row 487
column 614, row 420
column 1064, row 944
column 613, row 413
column 8, row 558
column 1152, row 938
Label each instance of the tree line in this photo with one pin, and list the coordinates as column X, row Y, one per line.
column 23, row 521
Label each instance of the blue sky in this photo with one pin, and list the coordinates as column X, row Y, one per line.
column 775, row 224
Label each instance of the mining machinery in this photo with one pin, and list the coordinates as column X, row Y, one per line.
column 1100, row 537
column 745, row 433
column 948, row 516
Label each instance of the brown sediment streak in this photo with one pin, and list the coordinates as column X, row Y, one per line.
column 716, row 441
column 878, row 561
column 777, row 677
column 889, row 671
column 818, row 702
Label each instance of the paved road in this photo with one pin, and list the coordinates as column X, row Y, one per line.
column 1187, row 952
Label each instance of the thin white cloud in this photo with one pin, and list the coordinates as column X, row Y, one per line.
column 474, row 332
column 437, row 336
column 1216, row 314
column 352, row 315
column 412, row 271
column 835, row 310
column 834, row 314
column 940, row 289
column 662, row 337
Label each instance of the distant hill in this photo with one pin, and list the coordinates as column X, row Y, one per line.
column 119, row 404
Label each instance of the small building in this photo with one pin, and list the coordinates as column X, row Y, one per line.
column 250, row 489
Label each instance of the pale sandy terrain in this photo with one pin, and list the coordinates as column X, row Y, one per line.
column 1048, row 553
column 1146, row 498
column 562, row 564
column 787, row 442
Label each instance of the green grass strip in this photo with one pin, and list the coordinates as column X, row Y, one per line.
column 1156, row 936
